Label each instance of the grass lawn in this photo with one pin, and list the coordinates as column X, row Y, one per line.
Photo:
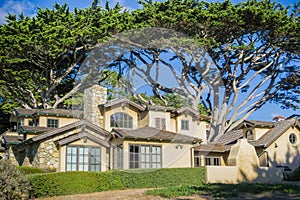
column 225, row 190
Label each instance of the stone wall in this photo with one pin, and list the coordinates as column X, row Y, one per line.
column 93, row 97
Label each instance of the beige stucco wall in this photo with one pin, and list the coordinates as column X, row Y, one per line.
column 172, row 155
column 104, row 156
column 62, row 121
column 243, row 167
column 126, row 109
column 160, row 114
column 143, row 119
column 196, row 128
column 284, row 153
column 258, row 132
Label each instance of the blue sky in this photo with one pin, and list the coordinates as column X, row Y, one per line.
column 29, row 8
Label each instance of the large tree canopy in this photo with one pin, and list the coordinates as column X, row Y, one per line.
column 40, row 56
column 253, row 46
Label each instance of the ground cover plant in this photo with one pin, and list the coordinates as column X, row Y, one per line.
column 225, row 190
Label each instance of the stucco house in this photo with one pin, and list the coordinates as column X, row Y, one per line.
column 276, row 143
column 117, row 134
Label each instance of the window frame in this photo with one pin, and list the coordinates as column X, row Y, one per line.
column 51, row 124
column 185, row 125
column 77, row 163
column 119, row 119
column 160, row 123
column 249, row 134
column 140, row 158
column 212, row 161
column 293, row 138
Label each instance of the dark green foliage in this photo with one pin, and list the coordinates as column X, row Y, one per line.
column 65, row 183
column 225, row 190
column 35, row 170
column 295, row 175
column 29, row 170
column 163, row 177
column 13, row 184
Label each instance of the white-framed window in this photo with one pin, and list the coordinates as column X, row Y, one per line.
column 145, row 156
column 184, row 124
column 82, row 158
column 212, row 161
column 160, row 123
column 121, row 120
column 52, row 123
column 292, row 138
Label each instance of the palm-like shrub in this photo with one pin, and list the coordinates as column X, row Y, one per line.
column 13, row 184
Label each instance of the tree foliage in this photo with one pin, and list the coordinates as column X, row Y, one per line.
column 254, row 46
column 40, row 56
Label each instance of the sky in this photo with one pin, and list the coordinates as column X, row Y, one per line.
column 29, row 8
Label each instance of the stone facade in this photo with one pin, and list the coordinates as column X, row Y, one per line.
column 93, row 97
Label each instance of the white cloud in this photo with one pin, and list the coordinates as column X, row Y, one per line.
column 16, row 7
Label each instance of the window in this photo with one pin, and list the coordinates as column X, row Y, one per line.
column 184, row 124
column 52, row 123
column 197, row 161
column 212, row 161
column 249, row 135
column 121, row 120
column 160, row 123
column 293, row 138
column 81, row 158
column 144, row 156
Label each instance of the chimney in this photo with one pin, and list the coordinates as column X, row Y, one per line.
column 93, row 97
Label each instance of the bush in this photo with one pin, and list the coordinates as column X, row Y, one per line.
column 13, row 184
column 29, row 170
column 65, row 183
column 294, row 176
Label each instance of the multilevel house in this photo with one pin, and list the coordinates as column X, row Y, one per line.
column 117, row 134
column 121, row 134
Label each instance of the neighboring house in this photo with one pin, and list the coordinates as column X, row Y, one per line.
column 118, row 134
column 276, row 143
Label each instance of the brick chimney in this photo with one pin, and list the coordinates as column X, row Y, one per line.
column 93, row 97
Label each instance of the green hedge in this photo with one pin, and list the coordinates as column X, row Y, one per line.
column 29, row 170
column 65, row 183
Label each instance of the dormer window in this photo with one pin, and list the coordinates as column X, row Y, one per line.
column 121, row 120
column 249, row 135
column 52, row 123
column 184, row 124
column 160, row 123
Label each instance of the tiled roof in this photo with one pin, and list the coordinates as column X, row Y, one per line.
column 115, row 102
column 82, row 124
column 212, row 148
column 280, row 127
column 51, row 112
column 81, row 135
column 255, row 123
column 150, row 133
column 230, row 137
column 35, row 129
column 12, row 139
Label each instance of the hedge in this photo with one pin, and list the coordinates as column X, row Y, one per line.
column 66, row 183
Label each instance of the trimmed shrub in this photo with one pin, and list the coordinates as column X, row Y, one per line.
column 65, row 183
column 29, row 170
column 13, row 184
